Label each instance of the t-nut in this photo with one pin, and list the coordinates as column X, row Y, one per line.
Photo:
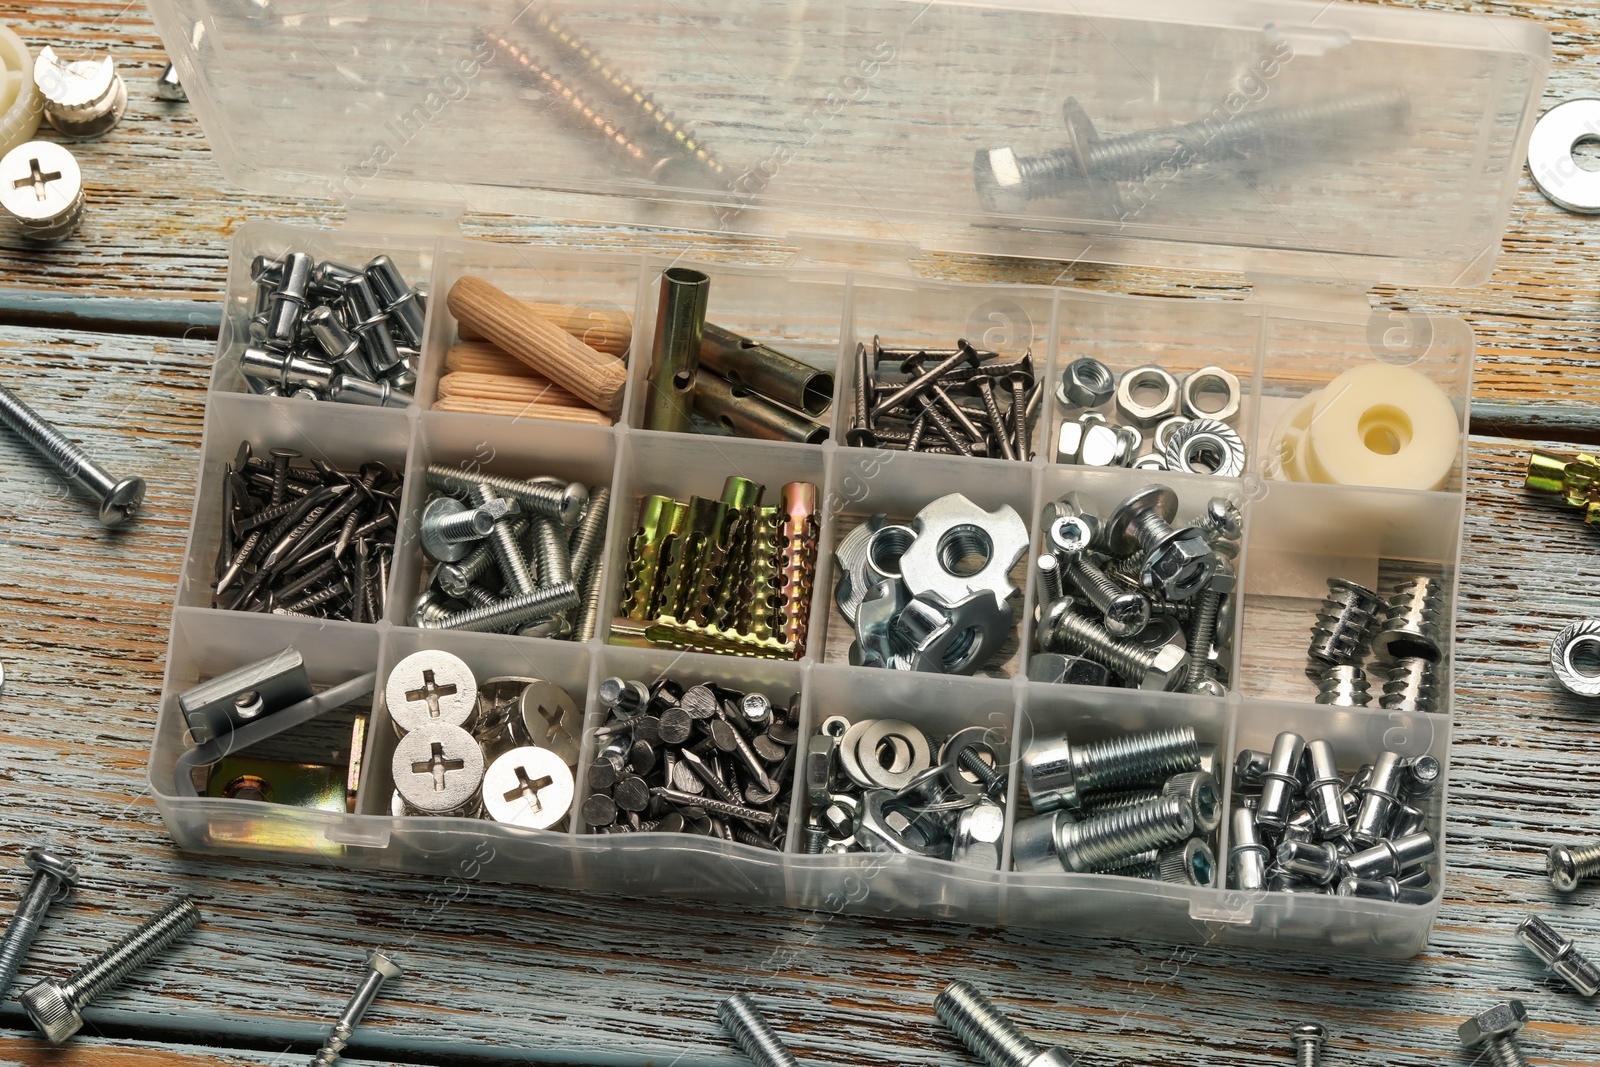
column 438, row 769
column 529, row 787
column 42, row 189
column 430, row 687
column 83, row 98
column 1146, row 395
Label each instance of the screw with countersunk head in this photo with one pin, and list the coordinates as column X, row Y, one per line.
column 974, row 1019
column 119, row 498
column 55, row 1007
column 752, row 1034
column 53, row 878
column 380, row 968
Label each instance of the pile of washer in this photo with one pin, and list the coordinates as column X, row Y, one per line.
column 1162, row 424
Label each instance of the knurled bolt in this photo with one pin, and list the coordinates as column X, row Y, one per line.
column 53, row 878
column 975, row 1019
column 752, row 1034
column 511, row 612
column 119, row 498
column 55, row 1007
column 565, row 503
column 1570, row 864
column 1308, row 1039
column 380, row 968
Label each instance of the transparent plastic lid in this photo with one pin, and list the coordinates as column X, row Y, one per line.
column 1348, row 143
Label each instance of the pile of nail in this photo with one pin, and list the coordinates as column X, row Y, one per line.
column 306, row 539
column 1141, row 805
column 503, row 750
column 1134, row 600
column 933, row 595
column 512, row 555
column 727, row 576
column 1161, row 424
column 1402, row 631
column 704, row 760
column 960, row 401
column 884, row 785
column 1300, row 826
column 326, row 331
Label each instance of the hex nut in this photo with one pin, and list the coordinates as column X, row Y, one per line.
column 978, row 830
column 1103, row 446
column 1167, row 671
column 1146, row 414
column 957, row 638
column 1069, row 441
column 1211, row 380
column 1502, row 1020
column 1086, row 383
column 1181, row 567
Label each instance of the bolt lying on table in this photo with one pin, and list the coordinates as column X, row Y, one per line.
column 119, row 498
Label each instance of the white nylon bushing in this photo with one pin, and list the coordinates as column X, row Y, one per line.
column 42, row 189
column 83, row 98
column 1383, row 425
column 19, row 96
column 1286, row 457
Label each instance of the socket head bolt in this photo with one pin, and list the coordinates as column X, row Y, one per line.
column 83, row 98
column 1192, row 864
column 1177, row 562
column 1498, row 1024
column 431, row 686
column 1573, row 647
column 41, row 188
column 1281, row 780
column 1378, row 799
column 1388, row 859
column 1204, row 796
column 1086, row 383
column 1560, row 955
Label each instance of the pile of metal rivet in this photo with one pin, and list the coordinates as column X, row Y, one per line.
column 1134, row 598
column 704, row 760
column 504, row 750
column 1140, row 805
column 1402, row 631
column 1186, row 430
column 934, row 595
column 874, row 785
column 1300, row 826
column 513, row 555
column 305, row 539
column 326, row 331
column 960, row 401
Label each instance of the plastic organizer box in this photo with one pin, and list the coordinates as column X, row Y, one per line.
column 855, row 129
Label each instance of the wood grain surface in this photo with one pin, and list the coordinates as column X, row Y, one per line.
column 109, row 334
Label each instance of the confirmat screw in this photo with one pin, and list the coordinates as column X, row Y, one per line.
column 1308, row 1039
column 119, row 498
column 974, row 1019
column 752, row 1034
column 55, row 1007
column 53, row 878
column 380, row 968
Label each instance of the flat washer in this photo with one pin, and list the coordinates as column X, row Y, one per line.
column 891, row 730
column 848, row 759
column 1579, row 635
column 1550, row 161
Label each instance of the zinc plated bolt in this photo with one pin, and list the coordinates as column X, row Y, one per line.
column 564, row 503
column 1178, row 561
column 751, row 1033
column 1560, row 955
column 1308, row 1039
column 1125, row 612
column 507, row 549
column 1570, row 864
column 508, row 613
column 1061, row 774
column 1494, row 1029
column 53, row 878
column 380, row 968
column 55, row 1007
column 1103, row 838
column 975, row 1019
column 119, row 498
column 1161, row 668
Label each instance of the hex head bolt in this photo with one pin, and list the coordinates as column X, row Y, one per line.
column 1060, row 774
column 1178, row 562
column 1570, row 864
column 564, row 503
column 1495, row 1030
column 380, row 969
column 55, row 1007
column 53, row 878
column 974, row 1019
column 119, row 498
column 1308, row 1039
column 1560, row 955
column 751, row 1033
column 1158, row 668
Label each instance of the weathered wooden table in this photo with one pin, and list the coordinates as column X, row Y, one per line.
column 112, row 333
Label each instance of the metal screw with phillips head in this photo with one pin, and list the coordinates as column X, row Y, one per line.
column 119, row 499
column 1308, row 1039
column 380, row 968
column 53, row 878
column 55, row 1006
column 973, row 1018
column 752, row 1034
column 1570, row 864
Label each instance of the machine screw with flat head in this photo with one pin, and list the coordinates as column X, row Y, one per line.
column 974, row 1019
column 53, row 878
column 55, row 1007
column 380, row 968
column 119, row 498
